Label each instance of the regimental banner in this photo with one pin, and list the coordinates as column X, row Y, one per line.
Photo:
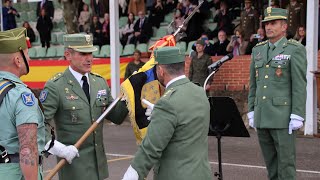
column 42, row 70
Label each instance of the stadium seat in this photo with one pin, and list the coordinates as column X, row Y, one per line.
column 162, row 31
column 105, row 51
column 128, row 50
column 41, row 52
column 23, row 17
column 142, row 47
column 60, row 38
column 17, row 6
column 32, row 16
column 60, row 51
column 54, row 38
column 33, row 7
column 51, row 52
column 168, row 18
column 25, row 7
column 37, row 41
column 189, row 47
column 32, row 52
column 96, row 53
column 182, row 46
column 123, row 21
column 212, row 26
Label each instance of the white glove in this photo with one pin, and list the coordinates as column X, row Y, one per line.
column 250, row 116
column 149, row 108
column 295, row 124
column 131, row 174
column 63, row 151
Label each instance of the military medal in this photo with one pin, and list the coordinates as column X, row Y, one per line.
column 73, row 117
column 279, row 71
column 72, row 97
column 67, row 90
column 257, row 73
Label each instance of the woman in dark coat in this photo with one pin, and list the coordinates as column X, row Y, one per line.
column 44, row 27
column 30, row 32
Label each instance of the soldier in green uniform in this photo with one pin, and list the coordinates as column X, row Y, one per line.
column 176, row 144
column 249, row 20
column 296, row 17
column 277, row 96
column 22, row 130
column 74, row 99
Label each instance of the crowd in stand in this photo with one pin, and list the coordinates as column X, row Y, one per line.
column 237, row 29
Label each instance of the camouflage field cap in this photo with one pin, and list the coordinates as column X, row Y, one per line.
column 168, row 55
column 79, row 42
column 271, row 14
column 13, row 40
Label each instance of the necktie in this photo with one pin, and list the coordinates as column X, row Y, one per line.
column 271, row 48
column 85, row 87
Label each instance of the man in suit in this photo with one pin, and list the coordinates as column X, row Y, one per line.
column 48, row 6
column 277, row 95
column 219, row 48
column 75, row 99
column 176, row 144
column 249, row 20
column 142, row 30
column 9, row 13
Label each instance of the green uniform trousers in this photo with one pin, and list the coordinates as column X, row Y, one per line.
column 278, row 149
column 12, row 171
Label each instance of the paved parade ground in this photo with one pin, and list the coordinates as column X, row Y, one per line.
column 241, row 157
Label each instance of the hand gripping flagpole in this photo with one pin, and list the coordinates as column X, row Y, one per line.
column 62, row 162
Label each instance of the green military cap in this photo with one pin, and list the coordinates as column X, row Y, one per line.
column 168, row 55
column 201, row 42
column 271, row 14
column 79, row 42
column 13, row 40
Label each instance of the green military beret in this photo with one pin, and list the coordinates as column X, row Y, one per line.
column 168, row 55
column 271, row 14
column 13, row 40
column 79, row 42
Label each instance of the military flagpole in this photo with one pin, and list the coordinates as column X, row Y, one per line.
column 62, row 162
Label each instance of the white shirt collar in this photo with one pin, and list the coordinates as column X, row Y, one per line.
column 78, row 76
column 175, row 79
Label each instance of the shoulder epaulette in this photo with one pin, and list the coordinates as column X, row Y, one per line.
column 261, row 43
column 5, row 86
column 56, row 76
column 294, row 42
column 96, row 74
column 169, row 93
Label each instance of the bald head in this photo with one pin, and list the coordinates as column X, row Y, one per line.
column 13, row 63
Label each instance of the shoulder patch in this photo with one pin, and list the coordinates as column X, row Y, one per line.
column 28, row 99
column 294, row 42
column 43, row 96
column 169, row 92
column 56, row 76
column 261, row 43
column 96, row 74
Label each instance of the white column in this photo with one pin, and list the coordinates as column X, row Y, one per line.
column 312, row 57
column 1, row 17
column 114, row 45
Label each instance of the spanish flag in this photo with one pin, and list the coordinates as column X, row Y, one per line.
column 143, row 85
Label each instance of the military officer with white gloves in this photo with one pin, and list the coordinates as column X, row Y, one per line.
column 176, row 144
column 74, row 99
column 277, row 95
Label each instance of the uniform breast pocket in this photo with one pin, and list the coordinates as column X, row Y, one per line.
column 73, row 112
column 280, row 70
column 258, row 68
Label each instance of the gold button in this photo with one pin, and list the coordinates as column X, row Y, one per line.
column 267, row 66
column 96, row 144
column 256, row 66
column 92, row 120
column 264, row 86
column 285, row 103
column 94, row 132
column 263, row 97
column 279, row 66
column 73, row 108
column 266, row 76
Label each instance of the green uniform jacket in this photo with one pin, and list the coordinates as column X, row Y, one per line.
column 176, row 144
column 249, row 22
column 68, row 105
column 198, row 71
column 277, row 83
column 296, row 17
column 15, row 111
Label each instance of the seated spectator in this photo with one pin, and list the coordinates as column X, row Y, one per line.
column 142, row 30
column 106, row 29
column 30, row 32
column 80, row 7
column 96, row 31
column 44, row 27
column 48, row 6
column 208, row 47
column 134, row 65
column 84, row 19
column 301, row 35
column 237, row 44
column 127, row 31
column 199, row 71
column 157, row 13
column 9, row 13
column 223, row 21
column 255, row 39
column 220, row 47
